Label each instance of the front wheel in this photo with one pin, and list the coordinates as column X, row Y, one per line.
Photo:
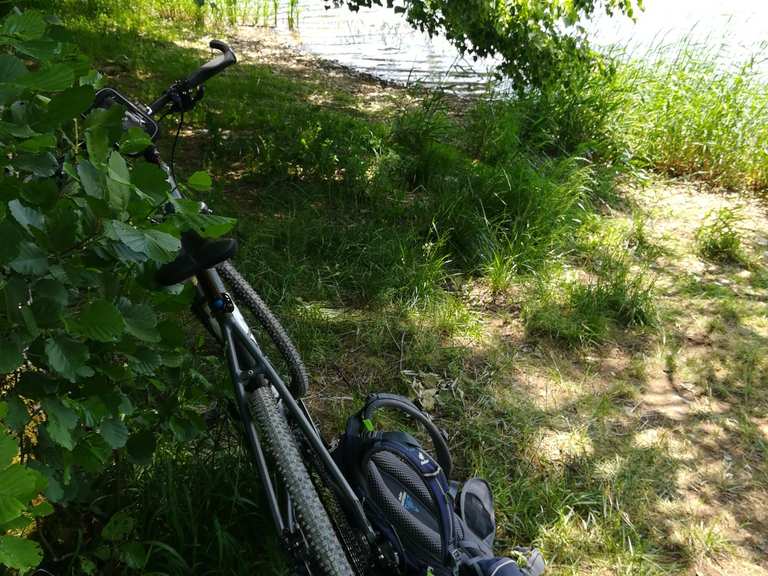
column 320, row 537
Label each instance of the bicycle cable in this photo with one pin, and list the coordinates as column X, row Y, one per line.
column 172, row 163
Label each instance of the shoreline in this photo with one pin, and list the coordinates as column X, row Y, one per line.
column 264, row 45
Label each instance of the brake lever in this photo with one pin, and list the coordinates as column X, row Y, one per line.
column 184, row 98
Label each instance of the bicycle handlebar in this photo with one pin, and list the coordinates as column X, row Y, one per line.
column 198, row 77
column 218, row 64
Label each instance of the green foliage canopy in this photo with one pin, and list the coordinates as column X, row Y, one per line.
column 535, row 39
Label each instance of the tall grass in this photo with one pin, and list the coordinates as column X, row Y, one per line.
column 690, row 112
column 196, row 512
column 191, row 14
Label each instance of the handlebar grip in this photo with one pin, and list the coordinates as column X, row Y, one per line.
column 210, row 69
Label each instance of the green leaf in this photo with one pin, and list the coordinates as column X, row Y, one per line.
column 159, row 246
column 207, row 225
column 118, row 182
column 42, row 49
column 54, row 491
column 97, row 143
column 38, row 143
column 150, row 179
column 9, row 93
column 145, row 362
column 118, row 169
column 26, row 25
column 114, row 432
column 99, row 320
column 92, row 78
column 32, row 260
column 12, row 237
column 119, row 195
column 68, row 105
column 41, row 510
column 10, row 508
column 125, row 406
column 8, row 448
column 134, row 555
column 10, row 356
column 119, row 526
column 91, row 179
column 16, row 130
column 92, row 454
column 17, row 417
column 87, row 566
column 49, row 298
column 53, row 78
column 40, row 192
column 66, row 356
column 64, row 226
column 141, row 447
column 28, row 217
column 135, row 140
column 19, row 482
column 61, row 422
column 141, row 322
column 185, row 429
column 44, row 165
column 19, row 553
column 11, row 68
column 16, row 293
column 200, row 181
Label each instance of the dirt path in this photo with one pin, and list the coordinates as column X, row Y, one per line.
column 712, row 387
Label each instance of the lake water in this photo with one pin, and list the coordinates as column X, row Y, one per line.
column 378, row 41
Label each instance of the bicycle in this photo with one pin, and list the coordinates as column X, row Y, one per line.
column 319, row 518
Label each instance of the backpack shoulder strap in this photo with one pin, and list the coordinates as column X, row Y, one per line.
column 376, row 402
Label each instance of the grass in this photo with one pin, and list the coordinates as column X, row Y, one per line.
column 197, row 511
column 493, row 257
column 719, row 239
column 609, row 289
column 691, row 112
column 576, row 312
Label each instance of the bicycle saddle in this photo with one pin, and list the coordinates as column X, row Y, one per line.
column 197, row 254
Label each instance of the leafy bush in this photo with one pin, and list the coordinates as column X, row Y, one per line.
column 90, row 350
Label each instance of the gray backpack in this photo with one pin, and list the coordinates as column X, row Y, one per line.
column 432, row 525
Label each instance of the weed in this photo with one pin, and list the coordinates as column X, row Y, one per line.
column 580, row 312
column 705, row 541
column 719, row 240
column 200, row 506
column 610, row 292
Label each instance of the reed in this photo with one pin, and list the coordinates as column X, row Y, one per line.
column 688, row 112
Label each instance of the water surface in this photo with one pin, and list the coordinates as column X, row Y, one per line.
column 378, row 41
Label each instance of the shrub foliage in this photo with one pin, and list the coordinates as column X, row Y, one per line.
column 88, row 347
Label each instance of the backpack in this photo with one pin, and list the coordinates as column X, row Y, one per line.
column 411, row 502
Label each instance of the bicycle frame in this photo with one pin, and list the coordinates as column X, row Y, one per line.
column 229, row 324
column 249, row 367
